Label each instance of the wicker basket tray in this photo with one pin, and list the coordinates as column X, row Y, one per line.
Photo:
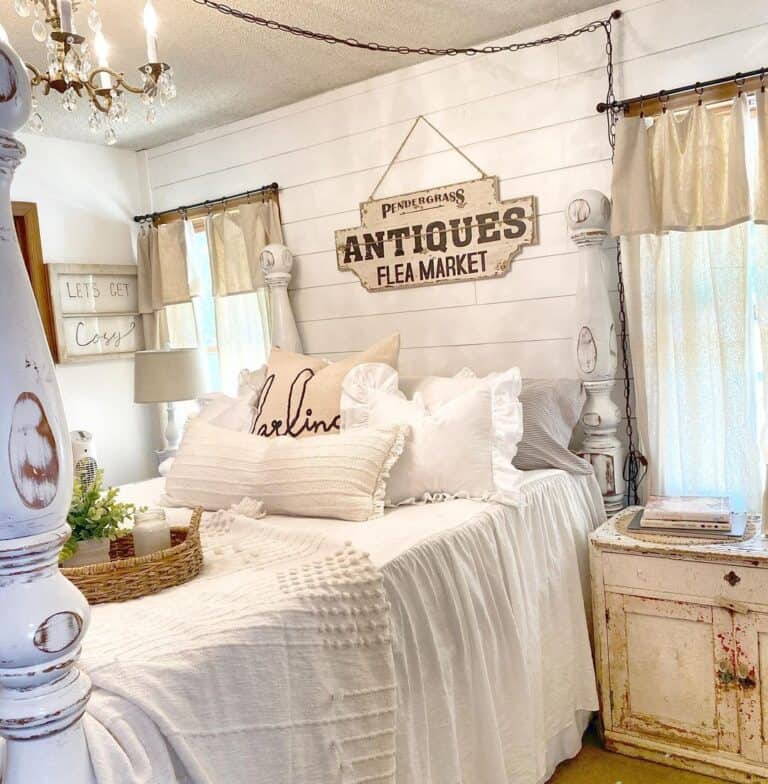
column 125, row 576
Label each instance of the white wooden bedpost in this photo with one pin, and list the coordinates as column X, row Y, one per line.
column 277, row 263
column 588, row 215
column 43, row 617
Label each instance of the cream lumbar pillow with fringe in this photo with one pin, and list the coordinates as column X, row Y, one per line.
column 301, row 394
column 342, row 476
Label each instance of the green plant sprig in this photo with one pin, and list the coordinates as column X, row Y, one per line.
column 95, row 514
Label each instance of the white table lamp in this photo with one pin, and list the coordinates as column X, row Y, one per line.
column 167, row 376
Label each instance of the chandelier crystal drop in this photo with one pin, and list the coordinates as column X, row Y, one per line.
column 23, row 7
column 77, row 68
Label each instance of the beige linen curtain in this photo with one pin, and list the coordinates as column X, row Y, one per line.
column 165, row 294
column 235, row 241
column 170, row 264
column 688, row 191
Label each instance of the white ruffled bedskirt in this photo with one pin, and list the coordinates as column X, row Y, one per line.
column 492, row 656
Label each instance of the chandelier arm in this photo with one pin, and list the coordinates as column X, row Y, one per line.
column 37, row 76
column 123, row 84
column 118, row 81
column 96, row 97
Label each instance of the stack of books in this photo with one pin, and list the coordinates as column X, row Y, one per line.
column 703, row 516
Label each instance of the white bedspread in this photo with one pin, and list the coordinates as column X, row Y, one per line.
column 489, row 667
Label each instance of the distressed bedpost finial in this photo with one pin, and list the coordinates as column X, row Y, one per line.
column 588, row 215
column 276, row 264
column 42, row 693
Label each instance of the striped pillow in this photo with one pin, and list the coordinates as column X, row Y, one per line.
column 342, row 476
column 551, row 410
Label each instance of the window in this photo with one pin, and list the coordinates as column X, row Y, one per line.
column 231, row 330
column 698, row 308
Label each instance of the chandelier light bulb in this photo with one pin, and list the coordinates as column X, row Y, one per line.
column 150, row 27
column 65, row 16
column 101, row 47
column 150, row 17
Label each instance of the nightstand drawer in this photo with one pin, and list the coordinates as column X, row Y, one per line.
column 712, row 582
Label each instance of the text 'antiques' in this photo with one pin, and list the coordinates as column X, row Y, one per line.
column 441, row 235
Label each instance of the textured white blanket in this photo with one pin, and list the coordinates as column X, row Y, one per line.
column 231, row 678
column 275, row 665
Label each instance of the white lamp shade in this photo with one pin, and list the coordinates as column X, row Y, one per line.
column 169, row 375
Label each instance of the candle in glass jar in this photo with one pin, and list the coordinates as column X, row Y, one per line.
column 151, row 532
column 150, row 26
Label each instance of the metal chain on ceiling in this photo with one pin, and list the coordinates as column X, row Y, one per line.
column 634, row 466
column 373, row 46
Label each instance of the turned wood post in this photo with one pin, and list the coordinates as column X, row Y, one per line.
column 43, row 617
column 588, row 215
column 277, row 263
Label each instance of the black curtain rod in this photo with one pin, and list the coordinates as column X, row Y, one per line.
column 273, row 186
column 738, row 78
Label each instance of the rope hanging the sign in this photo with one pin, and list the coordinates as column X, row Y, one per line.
column 391, row 163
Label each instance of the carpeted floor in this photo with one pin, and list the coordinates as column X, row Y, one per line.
column 594, row 765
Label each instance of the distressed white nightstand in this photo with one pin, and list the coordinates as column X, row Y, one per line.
column 681, row 646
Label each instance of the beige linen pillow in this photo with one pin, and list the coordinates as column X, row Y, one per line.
column 342, row 476
column 301, row 395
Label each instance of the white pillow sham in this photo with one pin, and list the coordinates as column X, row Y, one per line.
column 341, row 476
column 463, row 449
column 230, row 413
column 234, row 413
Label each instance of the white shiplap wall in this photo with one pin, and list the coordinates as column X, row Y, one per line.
column 527, row 117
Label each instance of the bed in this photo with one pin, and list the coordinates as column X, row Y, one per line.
column 438, row 644
column 487, row 677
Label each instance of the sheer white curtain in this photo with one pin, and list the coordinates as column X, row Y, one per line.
column 696, row 275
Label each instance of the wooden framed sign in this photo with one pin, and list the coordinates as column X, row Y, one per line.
column 96, row 311
column 442, row 235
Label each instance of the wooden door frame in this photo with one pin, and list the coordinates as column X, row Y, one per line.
column 32, row 249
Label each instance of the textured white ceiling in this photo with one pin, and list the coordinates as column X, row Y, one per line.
column 227, row 70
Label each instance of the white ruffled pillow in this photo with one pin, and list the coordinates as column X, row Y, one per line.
column 460, row 449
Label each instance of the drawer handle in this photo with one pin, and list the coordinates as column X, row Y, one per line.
column 747, row 682
column 732, row 578
column 725, row 674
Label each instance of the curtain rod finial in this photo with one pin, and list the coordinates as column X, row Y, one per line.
column 617, row 14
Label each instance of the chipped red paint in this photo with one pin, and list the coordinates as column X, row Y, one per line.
column 58, row 632
column 35, row 483
column 8, row 89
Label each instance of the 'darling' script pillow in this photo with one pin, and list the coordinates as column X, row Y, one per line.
column 301, row 395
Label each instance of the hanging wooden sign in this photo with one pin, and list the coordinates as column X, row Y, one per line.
column 442, row 235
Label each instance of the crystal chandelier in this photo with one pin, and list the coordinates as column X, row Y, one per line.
column 71, row 72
